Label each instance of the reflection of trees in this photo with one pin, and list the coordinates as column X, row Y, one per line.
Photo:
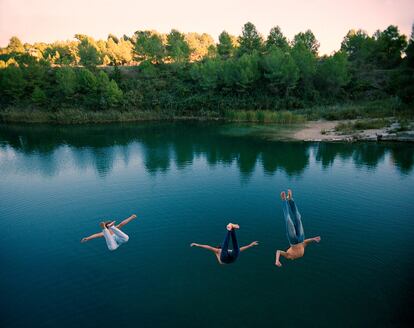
column 368, row 154
column 103, row 158
column 291, row 157
column 403, row 157
column 162, row 143
column 327, row 152
column 364, row 154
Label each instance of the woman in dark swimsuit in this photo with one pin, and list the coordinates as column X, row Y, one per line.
column 224, row 254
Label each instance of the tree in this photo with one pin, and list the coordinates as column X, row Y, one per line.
column 38, row 96
column 12, row 83
column 276, row 39
column 305, row 60
column 207, row 74
column 250, row 40
column 89, row 53
column 332, row 74
column 66, row 81
column 389, row 45
column 409, row 51
column 308, row 40
column 199, row 45
column 225, row 47
column 86, row 81
column 359, row 47
column 240, row 74
column 280, row 70
column 149, row 46
column 120, row 52
column 177, row 47
column 15, row 45
column 113, row 37
column 108, row 92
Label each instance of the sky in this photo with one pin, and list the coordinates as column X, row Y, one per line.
column 330, row 20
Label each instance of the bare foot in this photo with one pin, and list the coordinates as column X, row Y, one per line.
column 283, row 195
column 289, row 195
column 232, row 226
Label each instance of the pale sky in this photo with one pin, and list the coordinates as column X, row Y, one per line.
column 329, row 20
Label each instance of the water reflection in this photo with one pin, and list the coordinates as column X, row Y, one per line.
column 162, row 144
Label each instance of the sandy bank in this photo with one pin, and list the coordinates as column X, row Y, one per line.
column 325, row 131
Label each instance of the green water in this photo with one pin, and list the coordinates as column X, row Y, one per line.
column 185, row 182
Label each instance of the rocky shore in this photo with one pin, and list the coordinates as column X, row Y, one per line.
column 327, row 131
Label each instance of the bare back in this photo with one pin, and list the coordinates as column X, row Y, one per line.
column 296, row 251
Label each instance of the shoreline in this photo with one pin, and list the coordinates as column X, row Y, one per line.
column 308, row 131
column 324, row 131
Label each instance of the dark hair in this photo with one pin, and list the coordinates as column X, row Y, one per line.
column 106, row 223
column 219, row 247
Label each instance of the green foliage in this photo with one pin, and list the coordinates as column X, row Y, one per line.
column 250, row 41
column 280, row 70
column 240, row 74
column 186, row 74
column 66, row 81
column 149, row 46
column 225, row 47
column 263, row 116
column 108, row 91
column 307, row 40
column 89, row 53
column 409, row 51
column 207, row 74
column 12, row 84
column 306, row 62
column 38, row 96
column 350, row 127
column 332, row 75
column 177, row 48
column 389, row 45
column 276, row 39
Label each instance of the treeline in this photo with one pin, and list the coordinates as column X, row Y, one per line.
column 190, row 73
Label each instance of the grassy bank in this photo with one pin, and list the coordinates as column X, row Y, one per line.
column 367, row 110
column 77, row 116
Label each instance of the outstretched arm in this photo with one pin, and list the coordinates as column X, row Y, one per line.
column 255, row 243
column 210, row 248
column 278, row 253
column 311, row 240
column 96, row 235
column 126, row 221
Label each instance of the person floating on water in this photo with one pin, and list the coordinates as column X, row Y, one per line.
column 114, row 237
column 223, row 253
column 294, row 230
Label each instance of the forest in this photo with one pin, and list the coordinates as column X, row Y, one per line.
column 189, row 74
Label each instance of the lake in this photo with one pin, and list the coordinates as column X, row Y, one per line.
column 185, row 182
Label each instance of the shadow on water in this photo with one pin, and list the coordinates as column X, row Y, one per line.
column 165, row 143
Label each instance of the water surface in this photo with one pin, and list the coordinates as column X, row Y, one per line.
column 185, row 181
